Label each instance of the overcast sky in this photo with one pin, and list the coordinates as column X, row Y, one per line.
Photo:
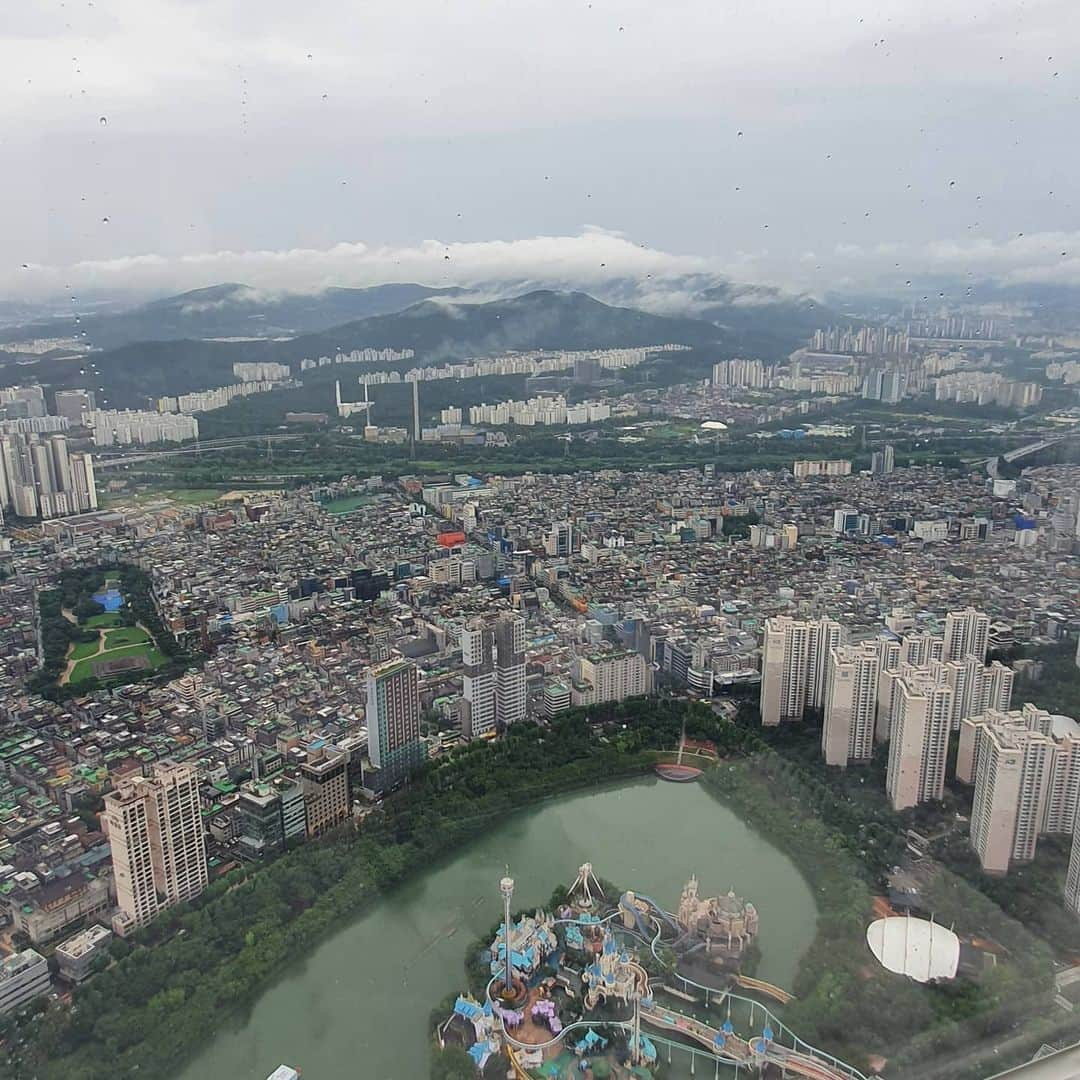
column 168, row 144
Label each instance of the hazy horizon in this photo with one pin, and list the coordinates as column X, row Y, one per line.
column 157, row 146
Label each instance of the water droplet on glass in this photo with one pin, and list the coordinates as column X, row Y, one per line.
column 105, row 220
column 309, row 56
column 103, row 120
column 325, row 96
column 952, row 183
column 907, row 282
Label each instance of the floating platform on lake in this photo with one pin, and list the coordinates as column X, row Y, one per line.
column 679, row 774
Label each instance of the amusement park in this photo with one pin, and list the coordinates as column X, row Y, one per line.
column 610, row 984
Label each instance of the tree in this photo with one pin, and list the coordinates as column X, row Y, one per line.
column 452, row 1063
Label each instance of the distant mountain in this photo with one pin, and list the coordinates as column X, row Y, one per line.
column 543, row 319
column 759, row 320
column 437, row 330
column 227, row 311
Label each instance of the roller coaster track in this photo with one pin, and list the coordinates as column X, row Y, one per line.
column 776, row 992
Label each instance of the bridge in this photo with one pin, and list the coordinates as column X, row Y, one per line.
column 112, row 461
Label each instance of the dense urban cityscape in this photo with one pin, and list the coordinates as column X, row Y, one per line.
column 539, row 541
column 196, row 681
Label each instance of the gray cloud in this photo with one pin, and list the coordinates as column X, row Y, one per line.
column 759, row 139
column 594, row 259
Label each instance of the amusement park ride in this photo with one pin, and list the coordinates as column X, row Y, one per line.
column 570, row 991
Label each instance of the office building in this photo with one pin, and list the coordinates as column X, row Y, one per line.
column 848, row 520
column 73, row 405
column 477, row 712
column 967, row 633
column 325, row 780
column 155, row 831
column 493, row 685
column 393, row 720
column 559, row 541
column 76, row 956
column 510, row 692
column 850, row 704
column 794, row 665
column 918, row 742
column 23, row 977
column 258, row 813
column 18, row 402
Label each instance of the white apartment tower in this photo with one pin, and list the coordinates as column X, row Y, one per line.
column 1048, row 799
column 919, row 741
column 967, row 633
column 1012, row 776
column 793, row 666
column 610, row 676
column 850, row 704
column 155, row 831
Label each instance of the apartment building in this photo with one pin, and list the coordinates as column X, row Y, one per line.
column 850, row 704
column 393, row 719
column 919, row 741
column 793, row 666
column 1025, row 766
column 155, row 831
column 325, row 781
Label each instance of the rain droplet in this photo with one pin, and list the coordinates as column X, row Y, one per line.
column 103, row 120
column 105, row 220
column 325, row 96
column 952, row 183
column 26, row 266
column 309, row 56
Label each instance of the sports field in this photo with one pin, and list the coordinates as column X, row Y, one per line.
column 87, row 668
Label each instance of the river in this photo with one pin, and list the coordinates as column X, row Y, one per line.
column 358, row 1006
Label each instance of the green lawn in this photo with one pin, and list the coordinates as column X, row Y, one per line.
column 82, row 649
column 129, row 635
column 84, row 669
column 179, row 496
column 106, row 618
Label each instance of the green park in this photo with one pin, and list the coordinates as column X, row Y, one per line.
column 100, row 628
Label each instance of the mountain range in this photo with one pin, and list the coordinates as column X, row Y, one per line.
column 226, row 311
column 436, row 329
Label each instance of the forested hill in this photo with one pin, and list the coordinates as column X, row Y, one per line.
column 437, row 330
column 229, row 310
